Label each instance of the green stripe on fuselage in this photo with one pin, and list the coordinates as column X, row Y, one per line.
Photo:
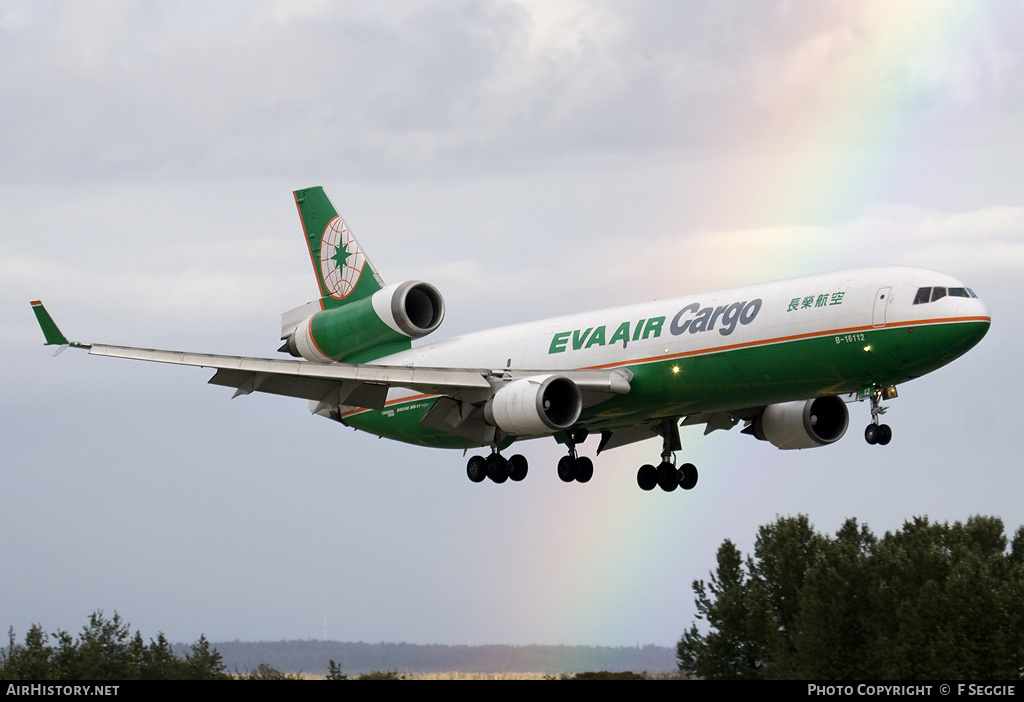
column 711, row 381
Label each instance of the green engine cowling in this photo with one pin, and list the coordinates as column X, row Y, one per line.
column 371, row 327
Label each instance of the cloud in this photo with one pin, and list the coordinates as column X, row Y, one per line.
column 132, row 89
column 963, row 244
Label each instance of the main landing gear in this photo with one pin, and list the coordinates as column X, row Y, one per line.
column 574, row 467
column 666, row 475
column 877, row 433
column 497, row 468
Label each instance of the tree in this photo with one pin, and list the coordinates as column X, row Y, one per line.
column 203, row 662
column 947, row 602
column 929, row 601
column 266, row 672
column 28, row 662
column 104, row 650
column 382, row 675
column 334, row 672
column 833, row 641
column 156, row 661
column 727, row 651
column 783, row 554
column 100, row 653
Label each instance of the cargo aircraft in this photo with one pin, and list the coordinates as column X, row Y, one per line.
column 784, row 358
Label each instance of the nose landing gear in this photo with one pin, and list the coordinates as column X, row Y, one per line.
column 876, row 432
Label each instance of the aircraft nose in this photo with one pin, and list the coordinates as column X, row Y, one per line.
column 975, row 308
column 975, row 312
column 969, row 308
column 983, row 310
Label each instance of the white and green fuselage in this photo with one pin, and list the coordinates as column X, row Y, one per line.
column 720, row 351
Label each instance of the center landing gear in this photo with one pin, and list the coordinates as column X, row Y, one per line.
column 497, row 468
column 877, row 433
column 666, row 475
column 574, row 467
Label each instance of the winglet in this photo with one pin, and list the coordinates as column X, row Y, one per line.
column 50, row 330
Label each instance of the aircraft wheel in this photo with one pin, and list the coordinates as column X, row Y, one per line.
column 584, row 469
column 497, row 468
column 688, row 476
column 517, row 467
column 871, row 434
column 647, row 477
column 668, row 477
column 476, row 468
column 884, row 434
column 566, row 469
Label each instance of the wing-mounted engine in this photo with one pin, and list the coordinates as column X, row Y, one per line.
column 802, row 424
column 535, row 405
column 365, row 329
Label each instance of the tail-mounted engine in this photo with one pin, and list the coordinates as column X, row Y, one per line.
column 365, row 329
column 802, row 424
column 536, row 405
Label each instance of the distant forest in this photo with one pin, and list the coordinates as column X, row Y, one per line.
column 106, row 649
column 354, row 658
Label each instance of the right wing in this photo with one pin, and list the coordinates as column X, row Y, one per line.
column 331, row 385
column 312, row 380
column 352, row 384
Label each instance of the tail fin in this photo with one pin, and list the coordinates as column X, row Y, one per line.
column 343, row 271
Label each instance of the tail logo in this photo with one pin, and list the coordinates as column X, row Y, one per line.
column 341, row 259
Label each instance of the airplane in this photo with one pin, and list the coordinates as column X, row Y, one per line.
column 784, row 358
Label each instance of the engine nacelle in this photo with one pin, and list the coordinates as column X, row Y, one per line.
column 369, row 328
column 804, row 423
column 536, row 405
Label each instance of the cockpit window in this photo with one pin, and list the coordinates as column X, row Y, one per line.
column 937, row 293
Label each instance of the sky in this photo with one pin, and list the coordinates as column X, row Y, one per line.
column 528, row 159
